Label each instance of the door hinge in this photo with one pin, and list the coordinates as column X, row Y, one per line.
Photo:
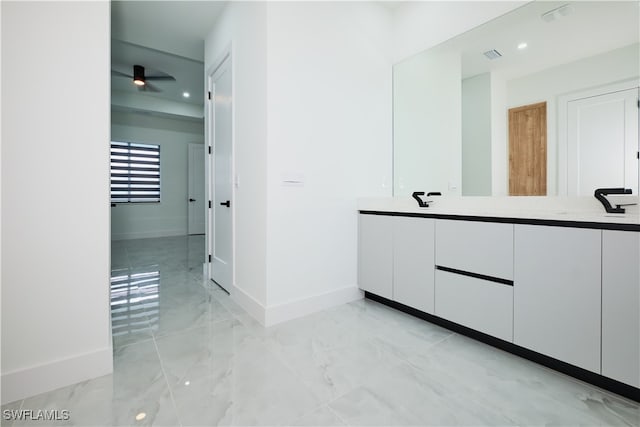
column 209, row 149
column 209, row 95
column 210, row 204
column 637, row 154
column 209, row 257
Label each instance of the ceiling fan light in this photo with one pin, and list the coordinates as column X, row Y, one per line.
column 138, row 75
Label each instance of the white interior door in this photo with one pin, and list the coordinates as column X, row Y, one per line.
column 196, row 203
column 602, row 142
column 221, row 240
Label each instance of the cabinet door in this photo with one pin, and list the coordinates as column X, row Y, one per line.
column 413, row 262
column 375, row 250
column 557, row 293
column 621, row 306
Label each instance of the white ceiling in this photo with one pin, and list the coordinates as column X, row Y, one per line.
column 164, row 36
column 593, row 27
column 178, row 27
column 168, row 36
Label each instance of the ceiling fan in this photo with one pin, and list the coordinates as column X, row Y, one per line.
column 141, row 80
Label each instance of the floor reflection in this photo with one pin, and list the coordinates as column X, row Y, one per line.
column 134, row 300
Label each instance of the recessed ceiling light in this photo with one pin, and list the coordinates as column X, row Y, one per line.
column 522, row 45
column 186, row 94
column 141, row 416
column 187, row 382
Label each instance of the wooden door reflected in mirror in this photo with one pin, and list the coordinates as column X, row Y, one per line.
column 528, row 150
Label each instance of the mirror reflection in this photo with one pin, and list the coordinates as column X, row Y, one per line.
column 541, row 101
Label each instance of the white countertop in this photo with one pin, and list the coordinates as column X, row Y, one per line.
column 569, row 209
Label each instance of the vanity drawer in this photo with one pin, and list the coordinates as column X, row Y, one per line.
column 476, row 247
column 475, row 303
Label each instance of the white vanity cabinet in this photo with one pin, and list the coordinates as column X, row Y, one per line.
column 395, row 259
column 551, row 290
column 413, row 266
column 375, row 252
column 621, row 306
column 557, row 285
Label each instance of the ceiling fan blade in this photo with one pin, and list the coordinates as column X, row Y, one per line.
column 148, row 87
column 119, row 74
column 167, row 77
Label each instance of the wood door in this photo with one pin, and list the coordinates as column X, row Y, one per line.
column 528, row 150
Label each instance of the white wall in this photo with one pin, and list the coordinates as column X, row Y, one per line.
column 329, row 123
column 427, row 124
column 315, row 106
column 1, row 401
column 170, row 216
column 476, row 135
column 499, row 135
column 243, row 29
column 140, row 102
column 419, row 25
column 55, row 218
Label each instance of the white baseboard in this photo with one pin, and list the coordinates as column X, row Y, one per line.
column 291, row 310
column 148, row 234
column 29, row 382
column 272, row 315
column 250, row 304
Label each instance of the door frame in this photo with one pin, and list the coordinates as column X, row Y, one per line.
column 225, row 59
column 190, row 147
column 562, row 165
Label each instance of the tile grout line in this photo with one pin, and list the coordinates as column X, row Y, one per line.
column 429, row 348
column 401, row 361
column 166, row 380
column 155, row 345
column 333, row 411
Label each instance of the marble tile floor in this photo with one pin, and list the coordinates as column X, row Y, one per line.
column 185, row 354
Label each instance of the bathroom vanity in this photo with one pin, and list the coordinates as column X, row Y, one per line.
column 554, row 280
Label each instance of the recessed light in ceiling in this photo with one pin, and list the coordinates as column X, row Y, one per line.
column 522, row 45
column 141, row 416
column 186, row 94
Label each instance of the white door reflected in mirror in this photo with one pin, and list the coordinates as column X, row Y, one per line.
column 602, row 142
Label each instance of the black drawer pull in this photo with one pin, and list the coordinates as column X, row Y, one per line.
column 475, row 275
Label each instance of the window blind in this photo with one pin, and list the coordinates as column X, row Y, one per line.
column 135, row 173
